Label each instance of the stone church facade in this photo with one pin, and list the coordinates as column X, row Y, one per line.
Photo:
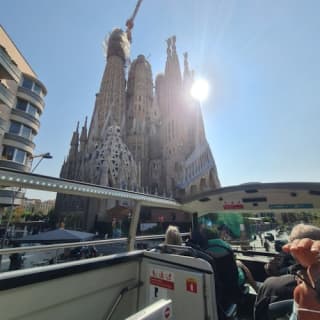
column 142, row 136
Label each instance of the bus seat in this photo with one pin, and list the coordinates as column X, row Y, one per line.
column 280, row 309
column 226, row 296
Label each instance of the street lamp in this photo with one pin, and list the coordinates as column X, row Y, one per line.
column 42, row 156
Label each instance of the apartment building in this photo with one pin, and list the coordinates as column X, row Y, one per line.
column 21, row 105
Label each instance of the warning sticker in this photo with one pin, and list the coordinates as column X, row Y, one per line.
column 162, row 278
column 162, row 283
column 167, row 313
column 191, row 285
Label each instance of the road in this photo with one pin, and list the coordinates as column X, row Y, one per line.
column 257, row 245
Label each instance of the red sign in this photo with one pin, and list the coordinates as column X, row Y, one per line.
column 162, row 283
column 167, row 313
column 191, row 285
column 233, row 206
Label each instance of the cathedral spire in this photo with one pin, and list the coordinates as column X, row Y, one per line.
column 168, row 62
column 172, row 65
column 174, row 52
column 186, row 71
column 84, row 136
column 168, row 47
column 187, row 75
column 176, row 64
column 75, row 136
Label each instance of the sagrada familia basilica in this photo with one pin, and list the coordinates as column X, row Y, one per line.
column 144, row 135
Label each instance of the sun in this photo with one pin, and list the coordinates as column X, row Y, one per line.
column 200, row 89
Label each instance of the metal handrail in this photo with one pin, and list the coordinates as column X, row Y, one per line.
column 255, row 253
column 119, row 298
column 77, row 244
column 158, row 236
column 13, row 178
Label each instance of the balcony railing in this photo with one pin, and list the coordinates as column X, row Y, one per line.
column 13, row 165
column 3, row 124
column 7, row 196
column 25, row 115
column 23, row 140
column 33, row 95
column 6, row 96
column 8, row 69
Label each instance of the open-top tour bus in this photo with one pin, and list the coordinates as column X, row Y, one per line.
column 138, row 284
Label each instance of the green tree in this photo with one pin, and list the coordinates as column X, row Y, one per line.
column 53, row 218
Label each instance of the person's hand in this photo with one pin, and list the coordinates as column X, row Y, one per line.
column 305, row 251
column 306, row 298
column 314, row 273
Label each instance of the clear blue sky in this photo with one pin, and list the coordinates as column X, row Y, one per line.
column 260, row 57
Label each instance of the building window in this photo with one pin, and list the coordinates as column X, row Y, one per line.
column 26, row 132
column 22, row 105
column 20, row 156
column 27, row 107
column 21, row 130
column 37, row 89
column 14, row 128
column 14, row 154
column 33, row 86
column 7, row 153
column 27, row 83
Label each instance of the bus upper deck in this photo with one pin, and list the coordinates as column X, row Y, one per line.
column 119, row 285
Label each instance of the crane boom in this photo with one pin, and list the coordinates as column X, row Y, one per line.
column 136, row 9
column 130, row 21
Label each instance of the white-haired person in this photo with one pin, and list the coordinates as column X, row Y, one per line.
column 173, row 236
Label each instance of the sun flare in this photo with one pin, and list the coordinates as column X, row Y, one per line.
column 200, row 90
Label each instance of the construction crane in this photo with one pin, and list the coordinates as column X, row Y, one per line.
column 130, row 21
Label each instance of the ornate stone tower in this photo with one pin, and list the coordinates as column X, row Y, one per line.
column 106, row 140
column 187, row 161
column 110, row 101
column 139, row 104
column 102, row 157
column 141, row 137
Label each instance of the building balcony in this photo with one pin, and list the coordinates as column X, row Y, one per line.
column 32, row 97
column 2, row 125
column 19, row 115
column 8, row 69
column 15, row 142
column 6, row 96
column 19, row 142
column 9, row 196
column 13, row 165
